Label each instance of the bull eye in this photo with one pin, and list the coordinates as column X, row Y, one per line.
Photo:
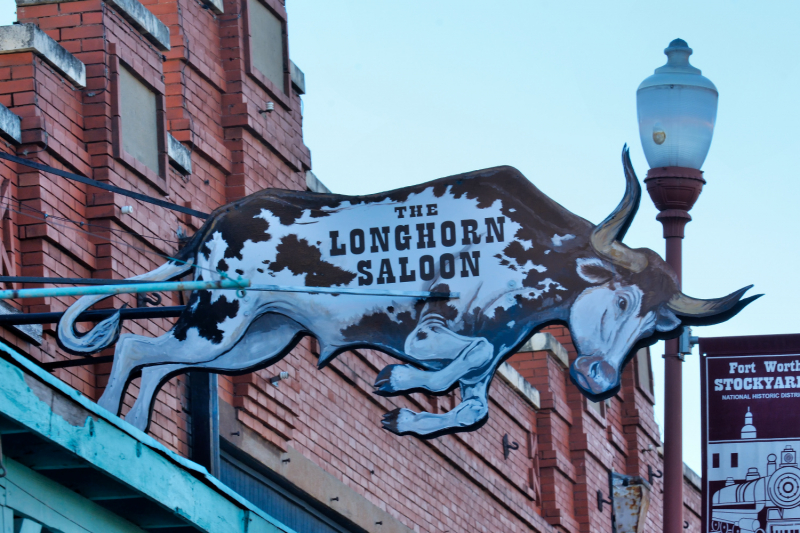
column 622, row 303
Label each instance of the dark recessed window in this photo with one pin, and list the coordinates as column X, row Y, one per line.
column 734, row 460
column 715, row 461
column 266, row 43
column 138, row 109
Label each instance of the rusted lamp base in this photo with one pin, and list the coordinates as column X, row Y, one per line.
column 674, row 191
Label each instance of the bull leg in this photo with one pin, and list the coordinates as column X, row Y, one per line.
column 431, row 342
column 468, row 415
column 121, row 370
column 152, row 379
column 470, row 363
column 266, row 342
column 135, row 351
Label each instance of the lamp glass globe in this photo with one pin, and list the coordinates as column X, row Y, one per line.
column 677, row 109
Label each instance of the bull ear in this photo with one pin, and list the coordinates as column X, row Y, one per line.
column 666, row 319
column 594, row 270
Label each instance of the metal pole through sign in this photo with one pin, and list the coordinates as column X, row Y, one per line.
column 239, row 284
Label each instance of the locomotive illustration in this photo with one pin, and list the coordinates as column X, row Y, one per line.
column 760, row 504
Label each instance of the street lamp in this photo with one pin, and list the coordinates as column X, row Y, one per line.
column 677, row 108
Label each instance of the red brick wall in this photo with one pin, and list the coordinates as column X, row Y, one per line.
column 579, row 448
column 455, row 483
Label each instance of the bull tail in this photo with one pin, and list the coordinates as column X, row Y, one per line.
column 107, row 331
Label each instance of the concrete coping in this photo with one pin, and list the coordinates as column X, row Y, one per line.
column 520, row 385
column 314, row 185
column 10, row 125
column 134, row 12
column 298, row 78
column 692, row 477
column 179, row 155
column 215, row 5
column 147, row 23
column 545, row 342
column 688, row 474
column 32, row 332
column 30, row 38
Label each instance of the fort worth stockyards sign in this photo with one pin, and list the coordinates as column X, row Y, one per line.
column 751, row 433
column 517, row 259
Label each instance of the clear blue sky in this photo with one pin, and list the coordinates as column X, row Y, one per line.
column 405, row 92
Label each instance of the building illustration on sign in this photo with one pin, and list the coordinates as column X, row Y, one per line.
column 761, row 480
column 751, row 474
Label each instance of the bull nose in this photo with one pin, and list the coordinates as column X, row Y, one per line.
column 581, row 382
column 593, row 374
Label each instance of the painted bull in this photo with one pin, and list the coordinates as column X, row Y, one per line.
column 518, row 260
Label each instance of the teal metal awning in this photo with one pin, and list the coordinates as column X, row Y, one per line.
column 64, row 451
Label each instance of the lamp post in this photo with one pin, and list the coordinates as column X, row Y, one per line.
column 677, row 108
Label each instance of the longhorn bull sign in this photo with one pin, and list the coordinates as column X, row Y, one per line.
column 518, row 259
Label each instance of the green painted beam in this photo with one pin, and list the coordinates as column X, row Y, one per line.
column 159, row 286
column 52, row 410
column 49, row 503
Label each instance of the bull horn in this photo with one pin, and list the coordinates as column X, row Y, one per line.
column 607, row 236
column 687, row 306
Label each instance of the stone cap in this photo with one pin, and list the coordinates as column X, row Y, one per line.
column 545, row 342
column 30, row 38
column 688, row 474
column 179, row 156
column 314, row 185
column 10, row 125
column 144, row 21
column 520, row 385
column 215, row 5
column 32, row 332
column 692, row 477
column 298, row 78
column 134, row 12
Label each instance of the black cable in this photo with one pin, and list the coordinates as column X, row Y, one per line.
column 104, row 186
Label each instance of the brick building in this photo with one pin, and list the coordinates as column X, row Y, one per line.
column 197, row 102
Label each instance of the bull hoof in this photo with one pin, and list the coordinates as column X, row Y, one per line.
column 398, row 421
column 383, row 383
